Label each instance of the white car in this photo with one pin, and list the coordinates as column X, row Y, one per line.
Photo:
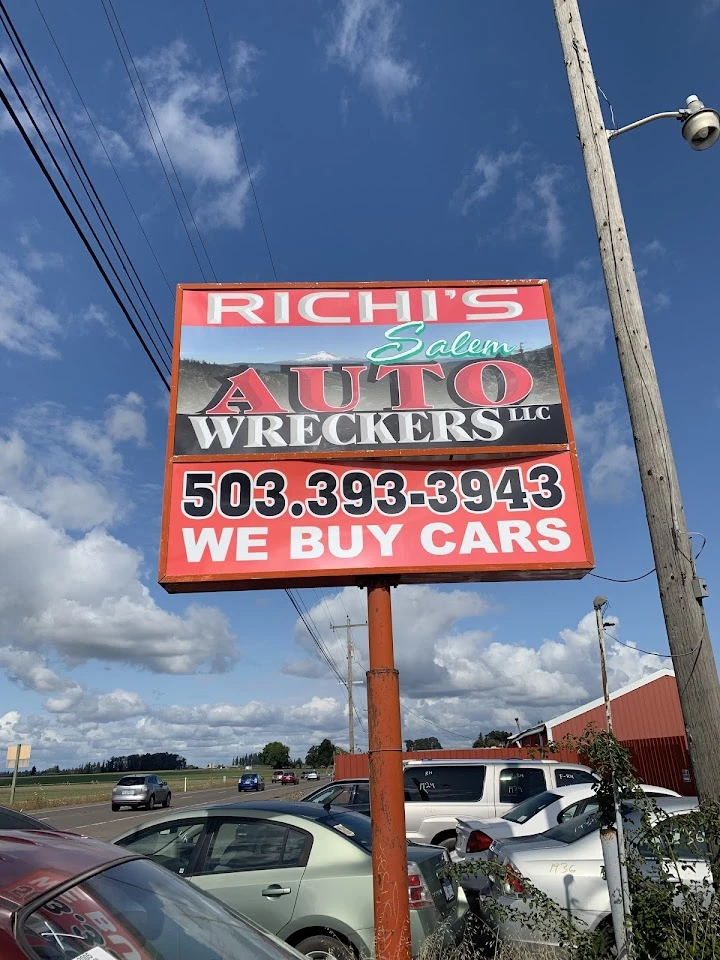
column 566, row 863
column 534, row 815
column 311, row 775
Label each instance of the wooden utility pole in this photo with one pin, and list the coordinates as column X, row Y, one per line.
column 348, row 627
column 680, row 590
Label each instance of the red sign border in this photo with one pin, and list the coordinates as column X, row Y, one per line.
column 449, row 574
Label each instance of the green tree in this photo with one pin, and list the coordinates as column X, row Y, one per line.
column 322, row 754
column 275, row 754
column 424, row 743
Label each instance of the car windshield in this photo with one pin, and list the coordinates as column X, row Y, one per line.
column 574, row 829
column 528, row 808
column 131, row 782
column 143, row 911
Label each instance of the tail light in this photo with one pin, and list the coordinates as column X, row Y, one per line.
column 418, row 890
column 514, row 882
column 478, row 842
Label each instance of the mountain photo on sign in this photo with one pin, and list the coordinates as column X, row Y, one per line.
column 404, row 377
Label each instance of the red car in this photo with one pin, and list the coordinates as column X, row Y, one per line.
column 288, row 777
column 64, row 896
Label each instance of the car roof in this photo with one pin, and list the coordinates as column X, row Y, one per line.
column 676, row 804
column 306, row 811
column 50, row 853
column 14, row 820
column 491, row 762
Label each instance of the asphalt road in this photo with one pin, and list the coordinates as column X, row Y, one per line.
column 97, row 819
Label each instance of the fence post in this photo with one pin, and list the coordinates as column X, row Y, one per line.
column 185, row 784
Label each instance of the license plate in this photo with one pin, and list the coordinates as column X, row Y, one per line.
column 448, row 889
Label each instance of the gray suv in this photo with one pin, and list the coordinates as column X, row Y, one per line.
column 140, row 790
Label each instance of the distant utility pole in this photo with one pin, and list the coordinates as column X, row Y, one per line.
column 681, row 591
column 348, row 628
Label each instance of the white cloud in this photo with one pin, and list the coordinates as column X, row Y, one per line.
column 485, row 178
column 125, row 419
column 185, row 102
column 48, row 461
column 365, row 43
column 535, row 207
column 655, row 248
column 552, row 225
column 84, row 599
column 582, row 313
column 606, row 450
column 26, row 326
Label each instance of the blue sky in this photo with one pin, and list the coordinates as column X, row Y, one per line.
column 387, row 141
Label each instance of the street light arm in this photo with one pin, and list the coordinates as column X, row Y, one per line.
column 675, row 114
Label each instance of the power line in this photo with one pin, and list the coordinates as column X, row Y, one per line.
column 105, row 150
column 315, row 636
column 242, row 145
column 31, row 146
column 52, row 116
column 152, row 138
column 162, row 139
column 453, row 733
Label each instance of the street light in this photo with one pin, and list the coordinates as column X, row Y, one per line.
column 701, row 125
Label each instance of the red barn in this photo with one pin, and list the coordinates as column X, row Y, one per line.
column 644, row 710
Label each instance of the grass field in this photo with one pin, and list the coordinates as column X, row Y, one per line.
column 37, row 793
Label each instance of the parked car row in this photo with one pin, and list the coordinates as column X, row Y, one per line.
column 437, row 792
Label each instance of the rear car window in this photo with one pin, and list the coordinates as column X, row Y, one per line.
column 566, row 776
column 519, row 783
column 677, row 838
column 354, row 826
column 574, row 829
column 522, row 812
column 131, row 782
column 444, row 784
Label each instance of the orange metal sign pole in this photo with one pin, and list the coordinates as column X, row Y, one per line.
column 387, row 795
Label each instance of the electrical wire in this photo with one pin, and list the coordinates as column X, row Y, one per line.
column 106, row 224
column 643, row 575
column 162, row 139
column 105, row 150
column 242, row 145
column 653, row 653
column 48, row 176
column 152, row 139
column 315, row 637
column 453, row 733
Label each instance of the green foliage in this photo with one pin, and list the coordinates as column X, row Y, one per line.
column 322, row 754
column 675, row 906
column 275, row 754
column 424, row 743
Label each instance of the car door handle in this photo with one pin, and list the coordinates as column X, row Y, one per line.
column 275, row 890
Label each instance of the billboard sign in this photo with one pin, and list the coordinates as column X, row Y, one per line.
column 315, row 431
column 370, row 371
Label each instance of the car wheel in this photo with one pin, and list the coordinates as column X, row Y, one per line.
column 168, row 798
column 115, row 807
column 151, row 802
column 449, row 844
column 324, row 948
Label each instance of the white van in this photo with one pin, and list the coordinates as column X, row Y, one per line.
column 437, row 792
